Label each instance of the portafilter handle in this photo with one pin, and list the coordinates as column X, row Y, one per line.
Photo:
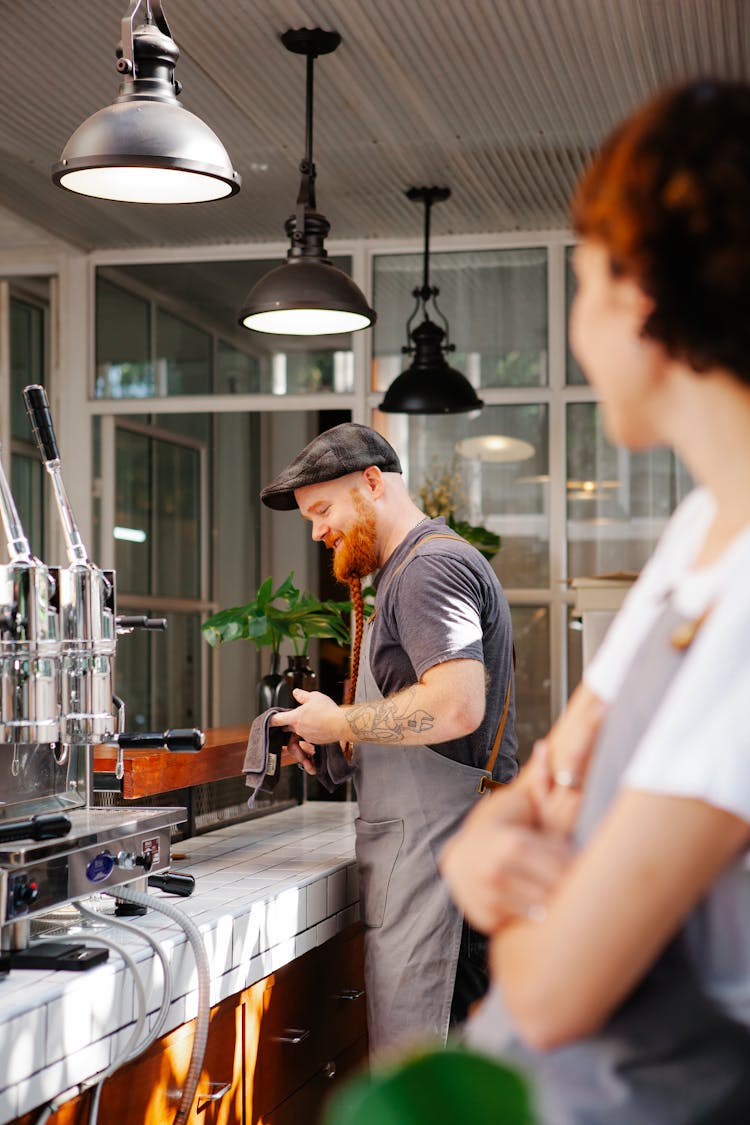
column 185, row 741
column 37, row 408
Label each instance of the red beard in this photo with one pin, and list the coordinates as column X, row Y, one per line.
column 357, row 556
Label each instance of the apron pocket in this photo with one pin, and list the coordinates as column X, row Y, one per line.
column 377, row 846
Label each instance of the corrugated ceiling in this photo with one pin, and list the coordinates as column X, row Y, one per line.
column 502, row 100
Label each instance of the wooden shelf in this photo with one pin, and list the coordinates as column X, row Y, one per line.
column 148, row 772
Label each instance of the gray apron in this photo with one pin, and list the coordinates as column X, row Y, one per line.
column 669, row 1055
column 411, row 799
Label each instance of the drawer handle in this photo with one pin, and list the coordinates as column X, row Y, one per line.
column 293, row 1036
column 329, row 1070
column 351, row 994
column 215, row 1092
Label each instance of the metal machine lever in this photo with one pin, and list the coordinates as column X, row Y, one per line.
column 125, row 623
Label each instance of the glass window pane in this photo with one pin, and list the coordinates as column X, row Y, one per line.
column 236, row 372
column 575, row 648
column 27, row 349
column 494, row 300
column 176, row 526
column 27, row 360
column 440, row 453
column 158, row 674
column 533, row 700
column 183, row 357
column 574, row 375
column 133, row 512
column 27, row 485
column 197, row 307
column 618, row 502
column 123, row 366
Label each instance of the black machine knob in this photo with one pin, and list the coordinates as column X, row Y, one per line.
column 37, row 408
column 24, row 893
column 130, row 860
column 173, row 883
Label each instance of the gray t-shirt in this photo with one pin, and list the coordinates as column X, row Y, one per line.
column 443, row 601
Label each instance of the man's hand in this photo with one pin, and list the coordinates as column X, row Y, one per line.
column 299, row 753
column 317, row 720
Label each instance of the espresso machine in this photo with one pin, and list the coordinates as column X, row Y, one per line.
column 58, row 639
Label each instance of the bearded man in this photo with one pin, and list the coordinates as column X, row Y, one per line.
column 430, row 729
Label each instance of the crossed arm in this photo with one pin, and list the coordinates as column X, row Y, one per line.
column 573, row 934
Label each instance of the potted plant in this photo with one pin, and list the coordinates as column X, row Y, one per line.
column 274, row 616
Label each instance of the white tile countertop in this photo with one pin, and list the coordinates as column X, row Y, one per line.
column 266, row 892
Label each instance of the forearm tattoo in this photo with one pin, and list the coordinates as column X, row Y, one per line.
column 389, row 720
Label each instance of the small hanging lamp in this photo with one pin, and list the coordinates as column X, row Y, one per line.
column 429, row 385
column 146, row 147
column 307, row 295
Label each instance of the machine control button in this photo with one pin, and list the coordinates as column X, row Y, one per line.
column 146, row 861
column 24, row 892
column 100, row 867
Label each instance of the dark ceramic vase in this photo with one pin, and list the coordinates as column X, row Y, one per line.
column 273, row 689
column 299, row 674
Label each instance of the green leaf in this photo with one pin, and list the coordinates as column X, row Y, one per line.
column 482, row 538
column 435, row 1088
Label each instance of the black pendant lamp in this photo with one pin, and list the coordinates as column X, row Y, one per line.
column 429, row 385
column 307, row 295
column 145, row 147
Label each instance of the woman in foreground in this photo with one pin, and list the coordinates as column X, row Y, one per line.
column 614, row 872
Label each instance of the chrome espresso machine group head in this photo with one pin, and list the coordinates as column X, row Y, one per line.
column 58, row 638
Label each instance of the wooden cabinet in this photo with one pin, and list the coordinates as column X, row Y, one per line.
column 307, row 1029
column 274, row 1051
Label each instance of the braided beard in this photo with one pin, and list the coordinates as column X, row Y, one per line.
column 357, row 556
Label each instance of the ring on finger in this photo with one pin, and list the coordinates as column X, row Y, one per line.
column 566, row 779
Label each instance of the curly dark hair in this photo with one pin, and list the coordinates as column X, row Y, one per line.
column 668, row 194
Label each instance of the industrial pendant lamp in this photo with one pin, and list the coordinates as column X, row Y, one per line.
column 429, row 385
column 145, row 147
column 307, row 295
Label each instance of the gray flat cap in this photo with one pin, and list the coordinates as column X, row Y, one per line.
column 348, row 448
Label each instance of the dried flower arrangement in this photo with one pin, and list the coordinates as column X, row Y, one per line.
column 442, row 494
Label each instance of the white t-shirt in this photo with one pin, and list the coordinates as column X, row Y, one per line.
column 698, row 741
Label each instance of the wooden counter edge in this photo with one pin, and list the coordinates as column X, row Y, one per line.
column 148, row 772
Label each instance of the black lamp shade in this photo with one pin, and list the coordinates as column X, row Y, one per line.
column 306, row 297
column 144, row 150
column 429, row 385
column 145, row 147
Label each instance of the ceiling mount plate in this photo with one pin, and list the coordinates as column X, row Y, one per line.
column 428, row 194
column 310, row 41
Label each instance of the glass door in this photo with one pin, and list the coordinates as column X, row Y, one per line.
column 158, row 530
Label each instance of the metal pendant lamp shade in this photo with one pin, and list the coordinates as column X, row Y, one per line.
column 146, row 147
column 429, row 385
column 307, row 295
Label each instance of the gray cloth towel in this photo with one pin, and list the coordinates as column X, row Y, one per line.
column 331, row 765
column 255, row 765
